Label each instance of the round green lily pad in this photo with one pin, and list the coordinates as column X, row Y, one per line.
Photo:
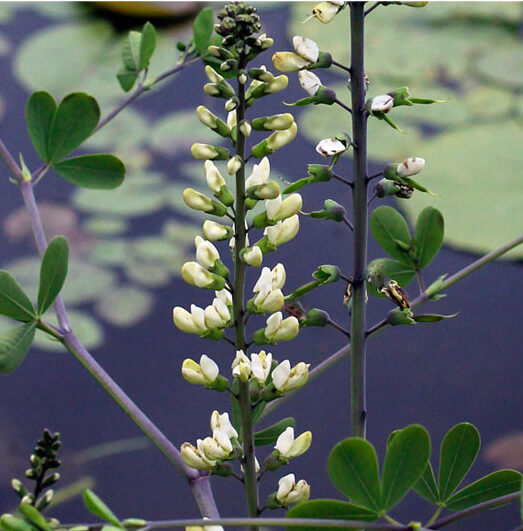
column 110, row 252
column 148, row 274
column 124, row 306
column 503, row 66
column 476, row 171
column 105, row 226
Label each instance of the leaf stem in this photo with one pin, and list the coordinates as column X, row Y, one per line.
column 372, row 8
column 343, row 106
column 434, row 516
column 338, row 327
column 347, row 222
column 341, row 65
column 359, row 198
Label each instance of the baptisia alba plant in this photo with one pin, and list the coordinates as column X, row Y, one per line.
column 248, row 215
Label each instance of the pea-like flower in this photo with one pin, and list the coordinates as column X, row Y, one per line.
column 217, row 315
column 261, row 366
column 222, row 423
column 234, row 164
column 193, row 322
column 283, row 231
column 213, row 176
column 289, row 62
column 216, row 231
column 326, row 11
column 241, row 366
column 306, row 48
column 276, row 277
column 206, row 252
column 279, row 329
column 309, row 82
column 289, row 447
column 203, row 373
column 195, row 456
column 290, row 492
column 225, row 296
column 328, row 147
column 286, row 379
column 279, row 209
column 253, row 256
column 196, row 275
column 410, row 166
column 382, row 103
column 218, row 446
column 260, row 173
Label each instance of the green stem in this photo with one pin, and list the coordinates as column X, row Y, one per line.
column 249, row 458
column 434, row 516
column 359, row 201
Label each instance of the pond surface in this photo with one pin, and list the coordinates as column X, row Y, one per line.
column 128, row 246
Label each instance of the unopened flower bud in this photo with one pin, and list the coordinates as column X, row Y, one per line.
column 198, row 201
column 278, row 122
column 195, row 458
column 410, row 166
column 212, row 75
column 212, row 121
column 279, row 329
column 213, row 177
column 278, row 209
column 286, row 379
column 204, row 373
column 309, row 82
column 328, row 147
column 252, row 256
column 191, row 323
column 206, row 151
column 241, row 366
column 386, row 187
column 277, row 140
column 326, row 11
column 306, row 48
column 283, row 231
column 216, row 231
column 289, row 62
column 231, row 104
column 194, row 274
column 245, row 128
column 234, row 164
column 289, row 447
column 290, row 492
column 383, row 103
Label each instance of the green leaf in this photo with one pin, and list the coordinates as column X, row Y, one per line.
column 99, row 172
column 405, row 461
column 131, row 51
column 497, row 484
column 14, row 345
column 270, row 435
column 34, row 516
column 432, row 317
column 126, row 78
column 12, row 523
column 426, row 486
column 147, row 44
column 328, row 509
column 14, row 302
column 74, row 121
column 96, row 506
column 428, row 236
column 353, row 469
column 39, row 113
column 458, row 452
column 390, row 230
column 417, row 186
column 52, row 272
column 397, row 271
column 202, row 29
column 257, row 411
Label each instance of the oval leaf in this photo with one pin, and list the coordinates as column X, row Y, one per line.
column 497, row 484
column 428, row 236
column 329, row 509
column 202, row 28
column 147, row 44
column 100, row 172
column 74, row 121
column 34, row 516
column 391, row 231
column 405, row 461
column 39, row 113
column 52, row 272
column 270, row 435
column 131, row 51
column 353, row 469
column 458, row 452
column 14, row 302
column 96, row 506
column 14, row 345
column 126, row 78
column 12, row 523
column 426, row 486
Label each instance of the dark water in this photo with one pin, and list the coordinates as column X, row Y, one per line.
column 464, row 369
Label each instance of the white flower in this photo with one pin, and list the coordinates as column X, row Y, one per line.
column 260, row 173
column 256, row 466
column 383, row 103
column 307, row 48
column 269, row 296
column 410, row 166
column 222, row 423
column 253, row 256
column 309, row 82
column 329, row 147
column 276, row 278
column 241, row 366
column 213, row 76
column 196, row 200
column 217, row 315
column 326, row 11
column 225, row 296
column 231, row 119
column 218, row 446
column 192, row 323
column 278, row 208
column 279, row 329
column 206, row 252
column 290, row 492
column 215, row 231
column 194, row 274
column 204, row 373
column 234, row 164
column 213, row 177
column 283, row 231
column 195, row 458
column 279, row 139
column 261, row 366
column 286, row 379
column 289, row 62
column 289, row 447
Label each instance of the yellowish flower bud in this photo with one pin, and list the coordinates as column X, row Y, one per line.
column 213, row 177
column 326, row 11
column 279, row 139
column 278, row 209
column 194, row 274
column 261, row 366
column 216, row 231
column 283, row 231
column 234, row 164
column 286, row 379
column 290, row 492
column 279, row 329
column 306, row 48
column 253, row 256
column 289, row 447
column 410, row 166
column 195, row 458
column 204, row 373
column 191, row 323
column 289, row 62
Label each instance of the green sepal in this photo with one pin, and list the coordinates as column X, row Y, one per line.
column 333, row 211
column 260, row 338
column 320, row 173
column 296, row 185
column 324, row 96
column 400, row 317
column 416, row 185
column 432, row 317
column 390, row 171
column 324, row 61
column 327, row 273
column 216, row 334
column 218, row 209
column 261, row 220
column 225, row 196
column 250, row 203
column 265, row 245
column 316, row 317
column 220, row 384
column 261, row 150
column 425, row 101
column 223, row 470
column 274, row 461
column 401, row 97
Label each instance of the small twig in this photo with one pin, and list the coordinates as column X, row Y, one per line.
column 343, row 106
column 374, row 176
column 420, row 281
column 340, row 65
column 372, row 8
column 347, row 222
column 372, row 197
column 10, row 162
column 39, row 174
column 230, row 341
column 346, row 278
column 342, row 180
column 232, row 218
column 246, row 320
column 337, row 326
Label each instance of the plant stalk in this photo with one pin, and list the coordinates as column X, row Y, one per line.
column 244, row 398
column 359, row 202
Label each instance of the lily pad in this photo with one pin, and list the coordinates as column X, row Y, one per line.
column 503, row 66
column 149, row 274
column 124, row 306
column 105, row 226
column 156, row 250
column 113, row 252
column 476, row 172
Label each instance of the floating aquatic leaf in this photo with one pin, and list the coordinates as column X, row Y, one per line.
column 503, row 67
column 124, row 306
column 149, row 274
column 105, row 226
